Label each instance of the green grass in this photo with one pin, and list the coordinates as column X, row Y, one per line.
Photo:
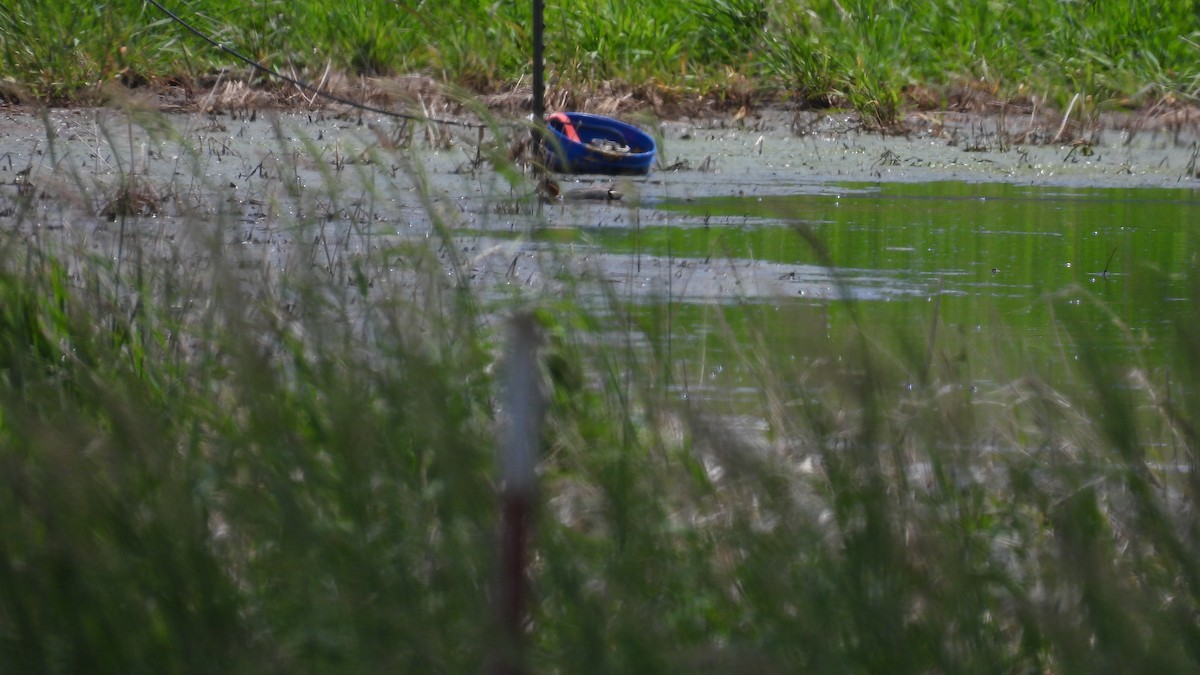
column 209, row 469
column 861, row 53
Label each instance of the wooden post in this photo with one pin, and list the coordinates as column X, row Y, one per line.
column 518, row 481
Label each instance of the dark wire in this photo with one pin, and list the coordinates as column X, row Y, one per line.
column 304, row 85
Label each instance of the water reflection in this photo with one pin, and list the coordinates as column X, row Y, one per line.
column 1054, row 268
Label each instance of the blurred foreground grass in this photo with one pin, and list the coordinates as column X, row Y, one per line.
column 207, row 471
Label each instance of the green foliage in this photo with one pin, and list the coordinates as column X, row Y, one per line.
column 863, row 53
column 56, row 51
column 869, row 50
column 727, row 31
column 262, row 503
column 204, row 471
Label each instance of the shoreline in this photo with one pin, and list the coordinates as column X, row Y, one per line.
column 423, row 96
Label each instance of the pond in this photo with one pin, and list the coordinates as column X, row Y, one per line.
column 747, row 236
column 764, row 235
column 1061, row 268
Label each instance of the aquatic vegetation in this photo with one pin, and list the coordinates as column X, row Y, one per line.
column 219, row 461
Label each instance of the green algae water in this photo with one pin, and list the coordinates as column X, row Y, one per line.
column 1055, row 269
column 765, row 256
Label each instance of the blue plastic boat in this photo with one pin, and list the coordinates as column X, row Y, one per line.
column 586, row 143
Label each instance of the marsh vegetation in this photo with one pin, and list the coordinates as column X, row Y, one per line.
column 876, row 56
column 223, row 454
column 249, row 397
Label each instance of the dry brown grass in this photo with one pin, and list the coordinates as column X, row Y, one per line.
column 1028, row 117
column 135, row 196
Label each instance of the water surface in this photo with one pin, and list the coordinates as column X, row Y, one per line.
column 761, row 244
column 1057, row 269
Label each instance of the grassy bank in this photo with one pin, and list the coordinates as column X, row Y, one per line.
column 874, row 55
column 212, row 464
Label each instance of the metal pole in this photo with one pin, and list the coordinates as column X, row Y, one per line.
column 539, row 84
